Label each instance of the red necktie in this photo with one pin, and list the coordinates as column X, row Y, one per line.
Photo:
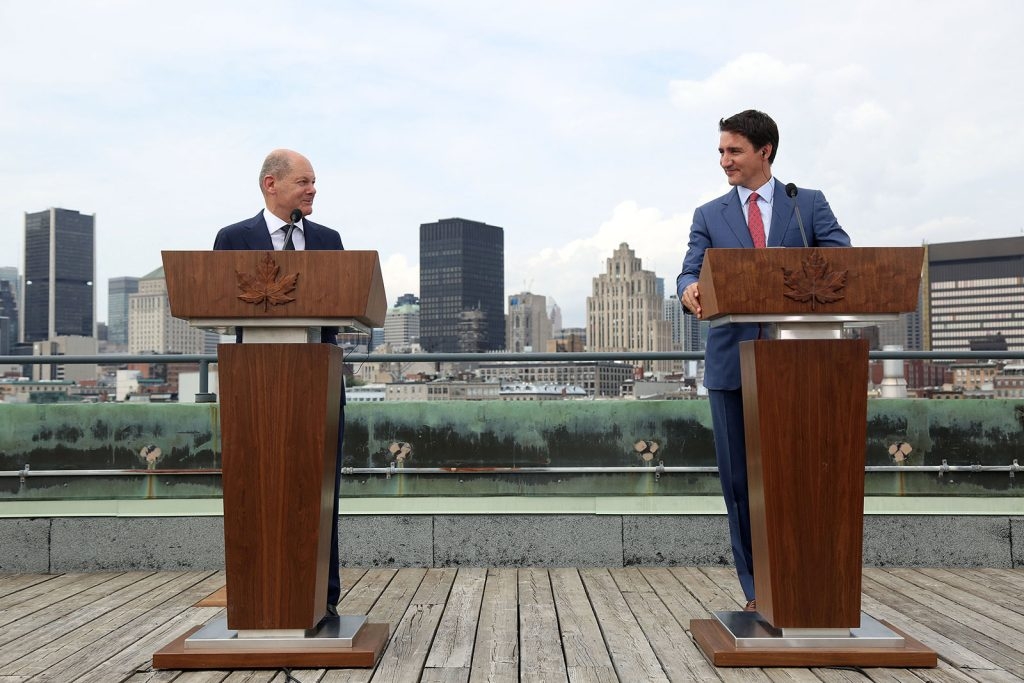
column 754, row 221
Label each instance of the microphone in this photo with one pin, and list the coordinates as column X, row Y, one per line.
column 791, row 192
column 296, row 214
column 294, row 217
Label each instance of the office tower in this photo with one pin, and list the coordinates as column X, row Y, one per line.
column 402, row 323
column 8, row 310
column 625, row 312
column 118, row 291
column 152, row 329
column 528, row 327
column 556, row 320
column 974, row 291
column 462, row 286
column 60, row 269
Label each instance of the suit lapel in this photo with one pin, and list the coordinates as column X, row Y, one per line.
column 312, row 237
column 257, row 236
column 782, row 214
column 732, row 215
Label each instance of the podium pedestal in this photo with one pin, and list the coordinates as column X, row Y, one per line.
column 805, row 415
column 279, row 412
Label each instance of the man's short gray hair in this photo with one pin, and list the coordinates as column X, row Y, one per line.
column 277, row 164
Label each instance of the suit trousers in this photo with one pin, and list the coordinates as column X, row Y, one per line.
column 731, row 456
column 333, row 571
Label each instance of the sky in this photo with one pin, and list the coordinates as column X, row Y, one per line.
column 573, row 125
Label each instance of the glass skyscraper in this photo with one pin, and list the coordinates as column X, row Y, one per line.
column 462, row 286
column 119, row 289
column 59, row 272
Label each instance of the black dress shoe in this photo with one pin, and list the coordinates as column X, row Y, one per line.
column 332, row 610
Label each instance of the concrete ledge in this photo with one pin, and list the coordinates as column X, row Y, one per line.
column 25, row 545
column 676, row 541
column 930, row 541
column 69, row 544
column 386, row 541
column 1017, row 541
column 128, row 543
column 527, row 540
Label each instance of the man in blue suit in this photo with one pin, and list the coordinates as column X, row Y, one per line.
column 289, row 186
column 747, row 147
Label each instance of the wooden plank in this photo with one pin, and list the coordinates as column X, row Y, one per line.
column 909, row 583
column 148, row 677
column 63, row 628
column 453, row 643
column 204, row 677
column 950, row 650
column 631, row 653
column 923, row 608
column 783, row 675
column 256, row 676
column 394, row 601
column 1001, row 577
column 143, row 628
column 64, row 636
column 435, row 587
column 1000, row 605
column 675, row 595
column 362, row 596
column 679, row 657
column 447, row 675
column 716, row 589
column 586, row 654
column 630, row 580
column 347, row 675
column 685, row 607
column 496, row 655
column 540, row 645
column 12, row 583
column 403, row 660
column 16, row 605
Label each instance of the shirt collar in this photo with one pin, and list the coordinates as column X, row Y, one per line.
column 766, row 192
column 274, row 223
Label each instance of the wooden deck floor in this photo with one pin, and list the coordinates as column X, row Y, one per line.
column 548, row 625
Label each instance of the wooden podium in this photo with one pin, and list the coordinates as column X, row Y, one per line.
column 805, row 412
column 279, row 409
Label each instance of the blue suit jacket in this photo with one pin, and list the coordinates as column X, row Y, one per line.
column 252, row 234
column 720, row 223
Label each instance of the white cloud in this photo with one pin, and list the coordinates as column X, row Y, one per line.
column 575, row 126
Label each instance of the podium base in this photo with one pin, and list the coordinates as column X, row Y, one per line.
column 338, row 642
column 745, row 639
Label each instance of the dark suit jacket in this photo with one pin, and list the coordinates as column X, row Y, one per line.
column 720, row 223
column 252, row 234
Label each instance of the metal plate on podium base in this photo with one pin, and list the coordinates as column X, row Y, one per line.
column 337, row 642
column 749, row 629
column 746, row 639
column 330, row 634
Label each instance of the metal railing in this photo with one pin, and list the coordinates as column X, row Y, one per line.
column 205, row 360
column 394, row 470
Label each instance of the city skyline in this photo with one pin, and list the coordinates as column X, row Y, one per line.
column 575, row 127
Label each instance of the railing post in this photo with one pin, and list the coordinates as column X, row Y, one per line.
column 204, row 395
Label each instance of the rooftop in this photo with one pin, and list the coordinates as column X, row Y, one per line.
column 500, row 624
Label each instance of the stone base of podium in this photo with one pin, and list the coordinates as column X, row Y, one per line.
column 720, row 648
column 366, row 649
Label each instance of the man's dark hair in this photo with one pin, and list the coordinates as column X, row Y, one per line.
column 755, row 126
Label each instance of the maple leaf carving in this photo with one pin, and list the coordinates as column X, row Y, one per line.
column 816, row 282
column 264, row 286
